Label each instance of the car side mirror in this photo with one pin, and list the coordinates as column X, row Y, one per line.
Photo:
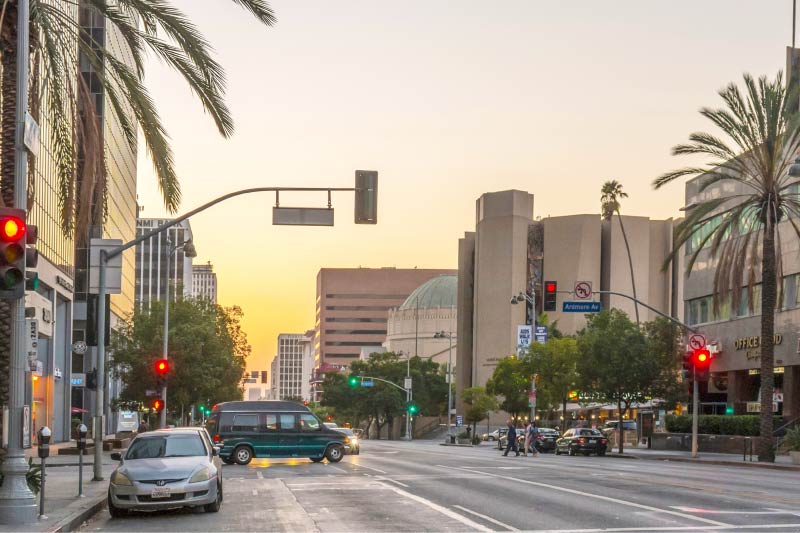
column 116, row 456
column 215, row 451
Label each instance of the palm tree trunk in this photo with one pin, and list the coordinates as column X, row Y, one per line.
column 766, row 449
column 630, row 264
column 8, row 113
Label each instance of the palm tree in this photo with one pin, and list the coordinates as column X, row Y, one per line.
column 58, row 43
column 761, row 132
column 610, row 194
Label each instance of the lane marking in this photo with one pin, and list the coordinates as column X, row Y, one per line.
column 342, row 470
column 259, row 475
column 712, row 511
column 255, row 492
column 487, row 518
column 370, row 468
column 443, row 510
column 391, row 481
column 599, row 497
column 667, row 528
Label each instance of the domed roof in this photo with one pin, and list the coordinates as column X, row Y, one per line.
column 436, row 292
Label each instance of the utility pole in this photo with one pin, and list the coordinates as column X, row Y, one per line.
column 695, row 417
column 17, row 502
column 165, row 348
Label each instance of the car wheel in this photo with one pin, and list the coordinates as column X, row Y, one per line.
column 115, row 512
column 334, row 453
column 243, row 455
column 570, row 451
column 214, row 506
column 317, row 459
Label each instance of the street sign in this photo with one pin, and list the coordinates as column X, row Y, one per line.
column 697, row 341
column 583, row 290
column 540, row 335
column 459, row 421
column 523, row 336
column 32, row 341
column 151, row 392
column 581, row 307
column 113, row 266
column 302, row 216
column 26, row 426
column 408, row 384
column 367, row 383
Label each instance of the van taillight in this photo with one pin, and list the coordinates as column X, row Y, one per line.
column 216, row 438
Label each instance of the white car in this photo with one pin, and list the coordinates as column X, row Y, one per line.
column 165, row 469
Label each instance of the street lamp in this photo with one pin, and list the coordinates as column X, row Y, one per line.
column 189, row 251
column 449, row 336
column 408, row 391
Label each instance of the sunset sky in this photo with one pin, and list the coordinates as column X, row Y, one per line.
column 447, row 100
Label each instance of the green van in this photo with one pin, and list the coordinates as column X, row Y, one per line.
column 244, row 430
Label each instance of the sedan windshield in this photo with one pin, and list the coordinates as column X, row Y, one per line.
column 166, row 446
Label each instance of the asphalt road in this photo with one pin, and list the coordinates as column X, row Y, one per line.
column 421, row 486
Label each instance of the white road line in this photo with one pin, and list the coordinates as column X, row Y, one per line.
column 259, row 475
column 443, row 510
column 599, row 497
column 391, row 481
column 711, row 511
column 487, row 518
column 255, row 492
column 342, row 470
column 669, row 528
column 370, row 468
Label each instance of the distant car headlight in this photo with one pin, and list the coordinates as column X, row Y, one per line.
column 201, row 475
column 354, row 440
column 118, row 478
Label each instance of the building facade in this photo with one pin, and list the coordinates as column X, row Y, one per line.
column 152, row 278
column 256, row 385
column 291, row 347
column 426, row 322
column 204, row 282
column 353, row 308
column 734, row 331
column 510, row 252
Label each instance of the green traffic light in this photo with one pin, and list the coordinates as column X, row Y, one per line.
column 412, row 409
column 353, row 381
column 729, row 410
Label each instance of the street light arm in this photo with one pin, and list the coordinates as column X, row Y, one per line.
column 393, row 384
column 673, row 319
column 119, row 249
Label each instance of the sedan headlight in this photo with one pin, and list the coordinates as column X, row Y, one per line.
column 354, row 440
column 119, row 478
column 201, row 475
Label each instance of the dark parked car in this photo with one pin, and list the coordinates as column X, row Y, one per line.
column 544, row 439
column 582, row 440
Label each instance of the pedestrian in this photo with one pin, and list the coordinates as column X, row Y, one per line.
column 530, row 439
column 142, row 427
column 512, row 439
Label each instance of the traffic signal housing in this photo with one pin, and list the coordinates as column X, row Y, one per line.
column 687, row 366
column 162, row 369
column 701, row 360
column 12, row 253
column 366, row 200
column 412, row 408
column 550, row 295
column 353, row 381
column 158, row 404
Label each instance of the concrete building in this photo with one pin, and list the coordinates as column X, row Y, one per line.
column 256, row 385
column 117, row 222
column 204, row 282
column 151, row 262
column 412, row 328
column 734, row 332
column 353, row 308
column 307, row 342
column 509, row 252
column 290, row 366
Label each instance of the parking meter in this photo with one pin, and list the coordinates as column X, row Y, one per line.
column 82, row 430
column 44, row 441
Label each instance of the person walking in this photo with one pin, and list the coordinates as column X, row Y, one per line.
column 530, row 439
column 142, row 427
column 512, row 439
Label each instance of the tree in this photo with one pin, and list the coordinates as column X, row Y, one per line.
column 478, row 405
column 61, row 94
column 760, row 139
column 206, row 363
column 511, row 380
column 610, row 195
column 555, row 362
column 615, row 364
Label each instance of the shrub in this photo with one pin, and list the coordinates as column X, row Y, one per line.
column 792, row 439
column 742, row 425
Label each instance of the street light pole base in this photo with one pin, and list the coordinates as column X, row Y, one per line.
column 17, row 502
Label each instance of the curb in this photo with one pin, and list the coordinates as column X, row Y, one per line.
column 457, row 445
column 768, row 466
column 74, row 520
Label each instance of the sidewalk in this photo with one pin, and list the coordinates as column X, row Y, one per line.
column 782, row 462
column 56, row 460
column 64, row 510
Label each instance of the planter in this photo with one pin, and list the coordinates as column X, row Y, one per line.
column 795, row 455
column 464, row 441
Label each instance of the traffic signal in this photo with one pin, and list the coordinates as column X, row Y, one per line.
column 353, row 381
column 91, row 379
column 701, row 360
column 366, row 201
column 550, row 295
column 158, row 404
column 12, row 253
column 412, row 409
column 687, row 365
column 162, row 369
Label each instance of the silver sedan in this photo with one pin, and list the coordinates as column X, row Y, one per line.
column 167, row 469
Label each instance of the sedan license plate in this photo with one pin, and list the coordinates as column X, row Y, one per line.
column 160, row 492
column 592, row 440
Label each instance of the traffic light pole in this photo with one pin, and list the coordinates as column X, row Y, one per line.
column 695, row 408
column 17, row 502
column 105, row 255
column 165, row 349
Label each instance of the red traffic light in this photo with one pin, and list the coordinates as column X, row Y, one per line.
column 550, row 286
column 12, row 228
column 158, row 405
column 162, row 367
column 702, row 358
